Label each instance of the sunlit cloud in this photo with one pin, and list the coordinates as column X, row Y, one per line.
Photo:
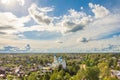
column 12, row 2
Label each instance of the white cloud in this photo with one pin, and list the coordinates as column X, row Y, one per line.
column 104, row 27
column 98, row 10
column 21, row 2
column 75, row 20
column 9, row 23
column 85, row 45
column 72, row 22
column 12, row 2
column 40, row 14
column 83, row 31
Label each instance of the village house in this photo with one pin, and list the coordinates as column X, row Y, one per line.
column 115, row 73
column 2, row 72
column 118, row 63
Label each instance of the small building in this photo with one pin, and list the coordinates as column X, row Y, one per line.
column 83, row 66
column 115, row 73
column 118, row 75
column 46, row 69
column 2, row 72
column 118, row 63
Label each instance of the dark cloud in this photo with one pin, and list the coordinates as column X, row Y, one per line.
column 42, row 20
column 40, row 14
column 14, row 49
column 77, row 28
column 28, row 47
column 60, row 42
column 6, row 27
column 73, row 27
column 3, row 33
column 68, row 23
column 84, row 40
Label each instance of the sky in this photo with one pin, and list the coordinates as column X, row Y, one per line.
column 60, row 26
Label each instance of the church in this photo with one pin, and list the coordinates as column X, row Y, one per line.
column 58, row 61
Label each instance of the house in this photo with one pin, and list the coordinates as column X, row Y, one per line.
column 2, row 72
column 115, row 73
column 33, row 69
column 118, row 75
column 118, row 63
column 83, row 66
column 46, row 69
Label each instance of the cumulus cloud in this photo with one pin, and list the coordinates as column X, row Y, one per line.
column 99, row 11
column 75, row 20
column 72, row 22
column 40, row 14
column 103, row 28
column 10, row 23
column 9, row 2
column 84, row 40
column 9, row 18
column 21, row 2
column 76, row 25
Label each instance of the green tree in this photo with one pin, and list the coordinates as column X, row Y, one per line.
column 33, row 76
column 10, row 77
column 61, row 75
column 104, row 69
column 90, row 73
column 110, row 78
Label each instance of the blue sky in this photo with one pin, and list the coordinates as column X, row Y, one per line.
column 60, row 25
